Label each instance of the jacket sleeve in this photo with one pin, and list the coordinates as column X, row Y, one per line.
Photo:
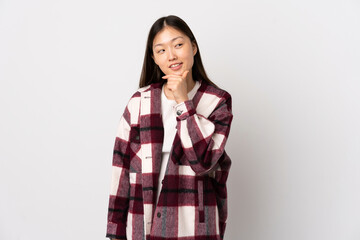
column 203, row 139
column 120, row 186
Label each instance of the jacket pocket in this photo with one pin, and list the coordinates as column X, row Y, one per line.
column 201, row 200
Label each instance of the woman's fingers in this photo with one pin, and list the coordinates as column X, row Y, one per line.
column 177, row 85
column 175, row 80
column 182, row 76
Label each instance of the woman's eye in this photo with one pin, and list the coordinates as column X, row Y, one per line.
column 161, row 51
column 180, row 44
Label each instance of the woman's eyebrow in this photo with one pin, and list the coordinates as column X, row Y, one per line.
column 159, row 44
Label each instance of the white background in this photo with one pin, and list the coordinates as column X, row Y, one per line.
column 68, row 68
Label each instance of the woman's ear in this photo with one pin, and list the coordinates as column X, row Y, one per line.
column 194, row 48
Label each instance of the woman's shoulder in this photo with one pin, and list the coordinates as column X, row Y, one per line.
column 135, row 97
column 144, row 89
column 138, row 92
column 148, row 88
column 211, row 98
column 208, row 88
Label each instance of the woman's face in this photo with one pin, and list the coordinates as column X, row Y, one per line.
column 173, row 51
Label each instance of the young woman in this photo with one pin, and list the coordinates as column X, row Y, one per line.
column 169, row 164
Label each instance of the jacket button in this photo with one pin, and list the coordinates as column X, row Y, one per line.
column 158, row 214
column 179, row 112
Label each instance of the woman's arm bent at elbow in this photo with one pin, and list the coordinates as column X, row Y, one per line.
column 203, row 139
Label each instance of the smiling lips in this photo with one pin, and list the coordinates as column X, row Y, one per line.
column 175, row 66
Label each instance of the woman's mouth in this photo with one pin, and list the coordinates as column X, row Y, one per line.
column 176, row 66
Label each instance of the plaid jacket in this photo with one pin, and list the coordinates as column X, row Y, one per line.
column 193, row 200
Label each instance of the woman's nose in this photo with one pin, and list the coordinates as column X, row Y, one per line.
column 172, row 55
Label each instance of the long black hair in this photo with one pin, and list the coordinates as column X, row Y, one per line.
column 151, row 73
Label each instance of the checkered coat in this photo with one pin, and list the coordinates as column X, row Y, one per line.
column 193, row 200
